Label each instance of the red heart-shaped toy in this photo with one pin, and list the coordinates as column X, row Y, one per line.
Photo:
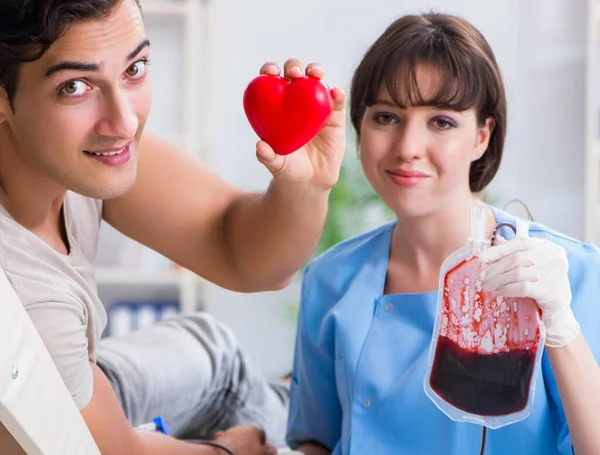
column 287, row 114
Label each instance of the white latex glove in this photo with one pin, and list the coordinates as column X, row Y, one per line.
column 535, row 268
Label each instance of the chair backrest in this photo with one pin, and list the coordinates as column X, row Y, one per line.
column 35, row 405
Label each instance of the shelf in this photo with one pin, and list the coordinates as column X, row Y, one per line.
column 164, row 7
column 117, row 276
column 185, row 281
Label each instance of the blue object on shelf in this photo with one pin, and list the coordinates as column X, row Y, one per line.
column 126, row 316
column 167, row 310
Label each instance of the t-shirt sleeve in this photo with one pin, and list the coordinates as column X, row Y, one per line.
column 584, row 276
column 62, row 328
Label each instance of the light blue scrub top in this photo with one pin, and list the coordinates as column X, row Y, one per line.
column 361, row 358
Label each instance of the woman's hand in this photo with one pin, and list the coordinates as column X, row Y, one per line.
column 535, row 268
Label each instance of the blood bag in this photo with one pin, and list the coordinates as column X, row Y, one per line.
column 486, row 349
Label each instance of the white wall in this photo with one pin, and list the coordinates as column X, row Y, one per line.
column 540, row 46
column 545, row 150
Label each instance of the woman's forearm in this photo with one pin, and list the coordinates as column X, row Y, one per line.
column 578, row 378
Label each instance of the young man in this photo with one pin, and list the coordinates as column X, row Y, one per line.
column 75, row 94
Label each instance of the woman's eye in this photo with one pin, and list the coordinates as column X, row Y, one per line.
column 74, row 88
column 138, row 69
column 443, row 124
column 384, row 118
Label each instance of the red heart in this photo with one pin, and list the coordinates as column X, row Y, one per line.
column 287, row 114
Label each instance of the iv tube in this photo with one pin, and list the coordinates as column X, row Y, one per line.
column 478, row 225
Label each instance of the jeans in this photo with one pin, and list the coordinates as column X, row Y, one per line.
column 190, row 371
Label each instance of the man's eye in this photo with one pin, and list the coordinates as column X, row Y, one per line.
column 138, row 69
column 74, row 88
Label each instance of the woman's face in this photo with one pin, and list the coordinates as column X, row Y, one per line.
column 418, row 158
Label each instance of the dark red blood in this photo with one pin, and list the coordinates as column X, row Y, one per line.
column 487, row 345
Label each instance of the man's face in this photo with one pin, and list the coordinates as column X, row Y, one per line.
column 79, row 111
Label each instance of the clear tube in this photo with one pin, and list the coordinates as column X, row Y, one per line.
column 478, row 238
column 522, row 229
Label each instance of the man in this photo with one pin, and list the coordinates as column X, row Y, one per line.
column 75, row 94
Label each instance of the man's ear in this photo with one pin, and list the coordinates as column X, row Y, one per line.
column 484, row 133
column 5, row 107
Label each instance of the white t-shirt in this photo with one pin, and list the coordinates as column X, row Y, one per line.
column 58, row 291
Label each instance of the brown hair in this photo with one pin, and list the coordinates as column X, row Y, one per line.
column 471, row 77
column 29, row 27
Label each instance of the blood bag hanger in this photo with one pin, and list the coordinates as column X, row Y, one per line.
column 519, row 201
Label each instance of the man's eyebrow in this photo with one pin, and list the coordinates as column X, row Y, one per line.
column 144, row 44
column 76, row 66
column 91, row 67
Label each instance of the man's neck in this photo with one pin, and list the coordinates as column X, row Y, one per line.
column 30, row 196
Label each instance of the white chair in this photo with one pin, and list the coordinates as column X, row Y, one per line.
column 35, row 405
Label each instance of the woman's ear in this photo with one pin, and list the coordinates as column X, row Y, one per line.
column 484, row 133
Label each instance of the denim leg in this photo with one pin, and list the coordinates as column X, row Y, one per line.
column 191, row 371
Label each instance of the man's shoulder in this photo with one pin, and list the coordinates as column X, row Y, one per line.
column 57, row 291
column 39, row 273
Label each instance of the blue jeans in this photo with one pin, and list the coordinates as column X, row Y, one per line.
column 190, row 371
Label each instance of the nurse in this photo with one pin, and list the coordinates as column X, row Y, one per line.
column 428, row 105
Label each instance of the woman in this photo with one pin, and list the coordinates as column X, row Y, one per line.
column 429, row 108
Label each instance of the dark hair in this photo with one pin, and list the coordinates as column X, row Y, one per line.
column 29, row 27
column 470, row 77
